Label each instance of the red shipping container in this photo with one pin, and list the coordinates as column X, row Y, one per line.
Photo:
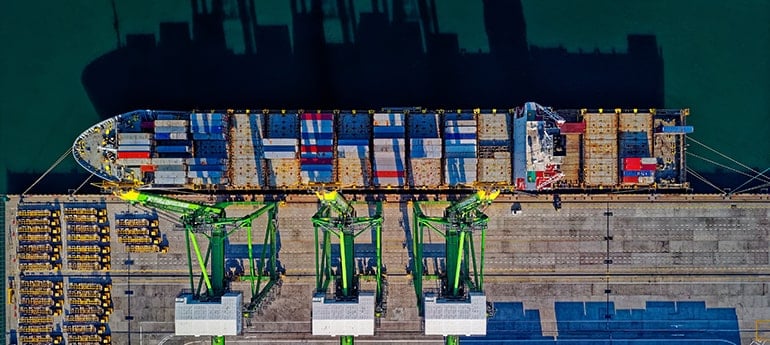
column 147, row 168
column 389, row 173
column 573, row 127
column 630, row 179
column 316, row 148
column 316, row 161
column 539, row 173
column 311, row 116
column 133, row 154
column 649, row 167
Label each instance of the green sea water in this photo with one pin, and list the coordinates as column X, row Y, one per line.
column 716, row 60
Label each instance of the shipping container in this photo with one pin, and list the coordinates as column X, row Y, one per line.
column 209, row 136
column 174, row 167
column 573, row 128
column 280, row 154
column 354, row 127
column 280, row 148
column 424, row 125
column 135, row 161
column 649, row 167
column 134, row 136
column 389, row 131
column 135, row 148
column 425, row 172
column 676, row 129
column 147, row 168
column 171, row 123
column 280, row 142
column 284, row 126
column 170, row 129
column 649, row 160
column 130, row 154
column 354, row 172
column 282, row 172
column 134, row 142
column 207, row 167
column 494, row 170
column 172, row 149
column 318, row 116
column 460, row 171
column 392, row 119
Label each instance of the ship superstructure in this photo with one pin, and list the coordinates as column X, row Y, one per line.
column 528, row 148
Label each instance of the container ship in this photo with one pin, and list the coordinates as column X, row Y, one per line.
column 527, row 148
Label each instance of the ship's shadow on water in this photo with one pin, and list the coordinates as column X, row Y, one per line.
column 390, row 56
column 394, row 55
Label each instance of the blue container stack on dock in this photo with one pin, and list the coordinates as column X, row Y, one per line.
column 425, row 150
column 317, row 148
column 353, row 164
column 281, row 148
column 461, row 150
column 209, row 134
column 172, row 146
column 389, row 148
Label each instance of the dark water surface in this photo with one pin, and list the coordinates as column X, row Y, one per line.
column 714, row 58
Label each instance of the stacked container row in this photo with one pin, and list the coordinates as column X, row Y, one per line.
column 460, row 149
column 134, row 145
column 389, row 149
column 425, row 150
column 246, row 147
column 281, row 148
column 601, row 150
column 317, row 148
column 638, row 170
column 353, row 164
column 494, row 164
column 573, row 148
column 209, row 132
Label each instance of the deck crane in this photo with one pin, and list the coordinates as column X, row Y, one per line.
column 349, row 312
column 460, row 306
column 217, row 311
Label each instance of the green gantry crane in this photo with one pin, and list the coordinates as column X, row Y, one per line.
column 337, row 218
column 212, row 223
column 463, row 276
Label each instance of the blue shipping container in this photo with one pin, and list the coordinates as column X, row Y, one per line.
column 279, row 148
column 460, row 155
column 459, row 136
column 317, row 155
column 209, row 136
column 677, row 129
column 317, row 142
column 353, row 142
column 317, row 167
column 494, row 142
column 179, row 149
column 207, row 167
column 316, row 135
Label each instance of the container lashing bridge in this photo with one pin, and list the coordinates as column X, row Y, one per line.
column 217, row 311
column 459, row 307
column 350, row 312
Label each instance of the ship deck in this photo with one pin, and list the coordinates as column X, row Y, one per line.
column 599, row 255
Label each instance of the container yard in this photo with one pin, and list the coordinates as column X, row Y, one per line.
column 668, row 261
column 528, row 148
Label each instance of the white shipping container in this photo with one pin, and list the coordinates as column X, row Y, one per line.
column 649, row 160
column 280, row 155
column 280, row 142
column 426, row 142
column 388, row 119
column 502, row 155
column 134, row 161
column 178, row 136
column 133, row 141
column 389, row 142
column 168, row 161
column 460, row 123
column 455, row 130
column 171, row 123
column 134, row 136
